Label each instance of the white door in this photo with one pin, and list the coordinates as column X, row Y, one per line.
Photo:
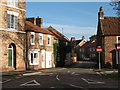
column 48, row 59
column 43, row 58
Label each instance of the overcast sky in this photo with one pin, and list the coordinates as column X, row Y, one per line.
column 70, row 18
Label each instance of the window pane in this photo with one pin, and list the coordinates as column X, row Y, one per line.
column 35, row 55
column 12, row 21
column 31, row 57
column 16, row 22
column 8, row 20
column 48, row 40
column 16, row 3
column 41, row 40
column 42, row 58
column 118, row 39
column 32, row 38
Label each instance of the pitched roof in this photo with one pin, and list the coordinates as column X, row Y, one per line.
column 57, row 35
column 110, row 25
column 31, row 27
column 89, row 44
column 77, row 41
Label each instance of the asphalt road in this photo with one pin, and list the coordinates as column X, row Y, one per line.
column 73, row 77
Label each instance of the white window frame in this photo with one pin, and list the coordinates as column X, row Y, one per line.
column 13, row 3
column 40, row 42
column 15, row 21
column 35, row 60
column 117, row 38
column 32, row 43
column 49, row 36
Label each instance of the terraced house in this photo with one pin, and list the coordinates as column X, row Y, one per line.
column 12, row 35
column 39, row 45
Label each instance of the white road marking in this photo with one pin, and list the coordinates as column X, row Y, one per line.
column 76, row 74
column 73, row 73
column 77, row 86
column 6, row 81
column 89, row 81
column 68, row 71
column 98, row 73
column 57, row 78
column 28, row 83
column 52, row 87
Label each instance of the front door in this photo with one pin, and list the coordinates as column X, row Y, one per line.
column 12, row 56
column 48, row 59
column 43, row 58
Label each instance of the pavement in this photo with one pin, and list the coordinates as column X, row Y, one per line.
column 105, row 71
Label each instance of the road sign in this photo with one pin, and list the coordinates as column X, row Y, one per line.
column 118, row 47
column 99, row 49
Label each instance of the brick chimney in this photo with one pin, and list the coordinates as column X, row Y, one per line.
column 36, row 21
column 101, row 13
column 39, row 22
column 72, row 38
column 83, row 37
column 32, row 20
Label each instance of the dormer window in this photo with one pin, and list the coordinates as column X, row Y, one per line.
column 12, row 3
column 12, row 20
column 49, row 40
column 32, row 38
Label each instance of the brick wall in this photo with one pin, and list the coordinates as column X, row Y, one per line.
column 9, row 36
column 109, row 46
column 19, row 41
column 40, row 47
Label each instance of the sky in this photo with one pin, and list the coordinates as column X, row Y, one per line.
column 73, row 19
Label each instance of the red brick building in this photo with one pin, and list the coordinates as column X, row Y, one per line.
column 39, row 45
column 88, row 51
column 12, row 35
column 108, row 34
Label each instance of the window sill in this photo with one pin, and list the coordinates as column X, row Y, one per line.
column 34, row 63
column 49, row 45
column 32, row 43
column 41, row 44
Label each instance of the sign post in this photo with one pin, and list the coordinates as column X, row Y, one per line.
column 117, row 46
column 99, row 50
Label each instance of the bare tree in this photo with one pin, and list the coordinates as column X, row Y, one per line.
column 116, row 6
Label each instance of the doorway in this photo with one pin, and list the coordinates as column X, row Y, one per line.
column 12, row 55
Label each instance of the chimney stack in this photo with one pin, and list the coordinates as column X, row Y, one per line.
column 32, row 20
column 36, row 21
column 101, row 13
column 83, row 37
column 72, row 38
column 39, row 22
